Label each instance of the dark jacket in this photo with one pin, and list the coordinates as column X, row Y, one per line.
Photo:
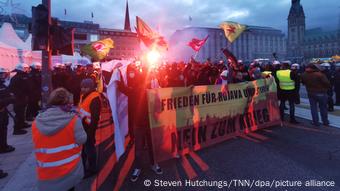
column 35, row 84
column 337, row 81
column 6, row 97
column 61, row 79
column 315, row 81
column 20, row 86
column 331, row 78
column 137, row 99
column 203, row 77
column 297, row 81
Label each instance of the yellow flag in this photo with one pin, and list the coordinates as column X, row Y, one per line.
column 232, row 30
column 98, row 50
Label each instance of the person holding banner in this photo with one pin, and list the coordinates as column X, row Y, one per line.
column 90, row 106
column 141, row 129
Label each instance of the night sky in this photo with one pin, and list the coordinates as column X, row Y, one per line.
column 169, row 15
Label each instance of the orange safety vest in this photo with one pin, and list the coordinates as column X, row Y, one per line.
column 84, row 109
column 105, row 117
column 56, row 155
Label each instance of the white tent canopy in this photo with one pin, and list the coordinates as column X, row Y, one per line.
column 10, row 37
column 13, row 50
column 75, row 59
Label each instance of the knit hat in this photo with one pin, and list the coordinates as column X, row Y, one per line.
column 60, row 96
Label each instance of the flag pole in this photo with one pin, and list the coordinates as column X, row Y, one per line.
column 196, row 54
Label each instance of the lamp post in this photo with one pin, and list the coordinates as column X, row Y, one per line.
column 46, row 84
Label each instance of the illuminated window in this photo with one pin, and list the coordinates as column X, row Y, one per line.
column 93, row 37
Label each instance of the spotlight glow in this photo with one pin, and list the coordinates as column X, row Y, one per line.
column 153, row 57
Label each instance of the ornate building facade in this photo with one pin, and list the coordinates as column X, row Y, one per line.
column 305, row 44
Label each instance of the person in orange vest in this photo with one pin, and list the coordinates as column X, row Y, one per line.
column 90, row 106
column 58, row 136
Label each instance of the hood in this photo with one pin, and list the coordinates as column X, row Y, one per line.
column 53, row 120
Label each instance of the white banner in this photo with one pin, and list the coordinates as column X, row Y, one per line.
column 118, row 102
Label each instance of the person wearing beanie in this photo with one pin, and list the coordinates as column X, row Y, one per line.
column 58, row 136
column 90, row 106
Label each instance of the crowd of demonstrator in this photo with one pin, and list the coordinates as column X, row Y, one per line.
column 81, row 86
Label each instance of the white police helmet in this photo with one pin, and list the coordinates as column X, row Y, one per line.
column 36, row 65
column 22, row 67
column 276, row 62
column 295, row 66
column 59, row 65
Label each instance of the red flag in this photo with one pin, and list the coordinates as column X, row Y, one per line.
column 230, row 56
column 197, row 44
column 149, row 37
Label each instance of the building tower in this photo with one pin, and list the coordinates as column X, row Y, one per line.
column 296, row 31
column 127, row 18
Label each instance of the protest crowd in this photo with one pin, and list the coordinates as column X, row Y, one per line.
column 71, row 85
column 64, row 132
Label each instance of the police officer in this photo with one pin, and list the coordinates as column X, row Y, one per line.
column 6, row 98
column 60, row 77
column 35, row 93
column 331, row 78
column 337, row 85
column 285, row 79
column 295, row 69
column 19, row 86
